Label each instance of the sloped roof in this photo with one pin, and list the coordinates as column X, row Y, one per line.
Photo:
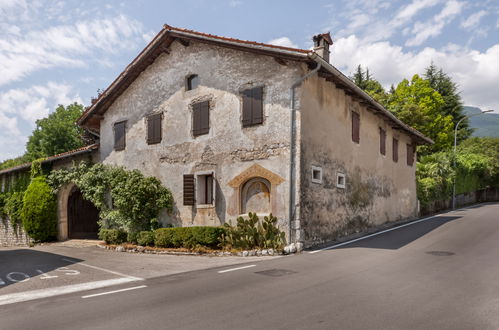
column 162, row 41
column 50, row 159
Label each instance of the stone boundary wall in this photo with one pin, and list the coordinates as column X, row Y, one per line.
column 479, row 196
column 11, row 237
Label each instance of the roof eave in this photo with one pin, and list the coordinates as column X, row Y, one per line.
column 420, row 137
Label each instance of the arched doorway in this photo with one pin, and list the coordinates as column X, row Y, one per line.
column 255, row 196
column 82, row 216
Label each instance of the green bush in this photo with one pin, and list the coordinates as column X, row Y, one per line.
column 163, row 237
column 189, row 237
column 39, row 211
column 132, row 237
column 13, row 207
column 252, row 233
column 146, row 238
column 113, row 236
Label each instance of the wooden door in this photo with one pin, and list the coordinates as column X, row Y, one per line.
column 82, row 217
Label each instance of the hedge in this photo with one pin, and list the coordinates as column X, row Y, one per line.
column 145, row 238
column 188, row 237
column 113, row 236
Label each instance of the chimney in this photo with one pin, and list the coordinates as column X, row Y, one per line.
column 321, row 45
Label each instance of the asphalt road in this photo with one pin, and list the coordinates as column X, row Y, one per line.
column 442, row 273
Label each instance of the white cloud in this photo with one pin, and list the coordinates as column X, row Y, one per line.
column 65, row 46
column 475, row 72
column 20, row 108
column 433, row 27
column 283, row 41
column 473, row 20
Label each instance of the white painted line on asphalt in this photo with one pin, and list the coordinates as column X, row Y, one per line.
column 57, row 291
column 388, row 230
column 105, row 270
column 115, row 291
column 233, row 269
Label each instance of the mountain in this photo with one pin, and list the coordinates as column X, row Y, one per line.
column 484, row 125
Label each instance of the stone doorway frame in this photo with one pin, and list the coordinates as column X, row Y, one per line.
column 62, row 211
column 255, row 171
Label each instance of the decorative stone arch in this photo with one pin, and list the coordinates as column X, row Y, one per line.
column 259, row 183
column 62, row 211
column 76, row 217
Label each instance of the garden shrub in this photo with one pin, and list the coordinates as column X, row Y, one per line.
column 189, row 237
column 252, row 233
column 163, row 237
column 112, row 236
column 146, row 238
column 39, row 211
column 132, row 237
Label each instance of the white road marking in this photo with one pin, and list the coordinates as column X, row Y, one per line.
column 57, row 291
column 233, row 269
column 115, row 291
column 388, row 230
column 10, row 277
column 105, row 270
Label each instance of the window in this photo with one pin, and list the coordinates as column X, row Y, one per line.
column 382, row 141
column 201, row 118
column 252, row 106
column 355, row 127
column 154, row 128
column 395, row 150
column 340, row 180
column 410, row 154
column 192, row 82
column 205, row 184
column 119, row 135
column 316, row 174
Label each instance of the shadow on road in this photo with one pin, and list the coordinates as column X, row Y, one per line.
column 22, row 264
column 400, row 237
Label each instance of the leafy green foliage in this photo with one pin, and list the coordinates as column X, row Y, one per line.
column 145, row 238
column 112, row 236
column 252, row 233
column 126, row 199
column 453, row 105
column 56, row 133
column 188, row 237
column 371, row 86
column 13, row 204
column 39, row 211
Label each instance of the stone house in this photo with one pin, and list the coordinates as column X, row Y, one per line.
column 233, row 126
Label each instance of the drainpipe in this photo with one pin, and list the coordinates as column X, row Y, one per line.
column 292, row 162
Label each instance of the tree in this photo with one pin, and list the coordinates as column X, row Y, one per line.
column 453, row 105
column 418, row 105
column 56, row 133
column 367, row 83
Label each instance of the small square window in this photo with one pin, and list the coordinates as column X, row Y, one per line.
column 341, row 180
column 192, row 82
column 316, row 174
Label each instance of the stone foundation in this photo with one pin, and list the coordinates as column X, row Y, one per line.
column 11, row 237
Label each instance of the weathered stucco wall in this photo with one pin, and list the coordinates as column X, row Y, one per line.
column 229, row 149
column 377, row 189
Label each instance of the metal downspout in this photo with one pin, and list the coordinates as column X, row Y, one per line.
column 292, row 163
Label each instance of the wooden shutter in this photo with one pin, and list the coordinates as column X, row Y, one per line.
column 252, row 106
column 247, row 101
column 201, row 118
column 154, row 128
column 189, row 189
column 257, row 106
column 410, row 154
column 355, row 127
column 395, row 150
column 382, row 141
column 119, row 136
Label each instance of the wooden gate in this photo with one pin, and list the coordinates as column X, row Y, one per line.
column 82, row 216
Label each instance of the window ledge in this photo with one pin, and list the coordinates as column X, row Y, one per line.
column 205, row 206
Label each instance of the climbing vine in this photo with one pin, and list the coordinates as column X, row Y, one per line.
column 126, row 199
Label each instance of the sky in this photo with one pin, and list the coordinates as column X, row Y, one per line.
column 59, row 52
